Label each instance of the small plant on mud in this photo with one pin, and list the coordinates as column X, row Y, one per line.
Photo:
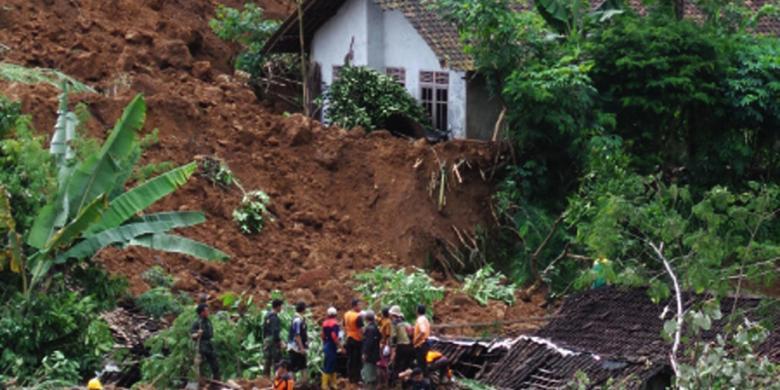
column 489, row 284
column 251, row 214
column 216, row 170
column 384, row 287
column 157, row 277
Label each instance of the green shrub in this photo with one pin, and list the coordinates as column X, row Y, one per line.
column 36, row 328
column 156, row 276
column 172, row 351
column 385, row 287
column 10, row 112
column 489, row 284
column 216, row 170
column 247, row 27
column 251, row 213
column 104, row 288
column 26, row 172
column 237, row 341
column 56, row 372
column 366, row 98
column 160, row 302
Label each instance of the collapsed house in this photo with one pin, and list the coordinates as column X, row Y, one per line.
column 607, row 333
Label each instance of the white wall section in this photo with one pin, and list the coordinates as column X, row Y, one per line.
column 385, row 39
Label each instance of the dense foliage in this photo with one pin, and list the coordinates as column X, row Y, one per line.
column 57, row 325
column 488, row 284
column 385, row 287
column 237, row 340
column 247, row 27
column 633, row 132
column 630, row 130
column 65, row 205
column 366, row 98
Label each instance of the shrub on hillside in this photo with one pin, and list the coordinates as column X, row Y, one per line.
column 384, row 287
column 247, row 27
column 489, row 284
column 251, row 213
column 54, row 333
column 26, row 169
column 366, row 98
column 238, row 341
column 160, row 302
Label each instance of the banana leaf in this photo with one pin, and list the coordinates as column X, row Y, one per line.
column 64, row 131
column 179, row 244
column 139, row 198
column 98, row 174
column 156, row 223
column 73, row 230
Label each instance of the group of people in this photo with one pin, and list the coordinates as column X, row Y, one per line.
column 381, row 350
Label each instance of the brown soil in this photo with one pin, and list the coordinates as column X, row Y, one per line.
column 343, row 201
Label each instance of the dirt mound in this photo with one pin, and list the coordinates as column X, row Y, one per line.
column 343, row 201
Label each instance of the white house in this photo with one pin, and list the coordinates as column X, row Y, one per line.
column 404, row 39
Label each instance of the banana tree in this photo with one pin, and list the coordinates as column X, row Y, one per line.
column 91, row 209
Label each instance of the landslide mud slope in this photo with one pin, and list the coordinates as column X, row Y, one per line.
column 343, row 201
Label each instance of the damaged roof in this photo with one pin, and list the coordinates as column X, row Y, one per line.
column 606, row 333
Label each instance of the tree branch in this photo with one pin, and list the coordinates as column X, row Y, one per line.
column 659, row 249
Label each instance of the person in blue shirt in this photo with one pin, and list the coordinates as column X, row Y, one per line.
column 298, row 343
column 330, row 346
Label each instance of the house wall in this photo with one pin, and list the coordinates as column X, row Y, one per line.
column 482, row 109
column 385, row 39
column 331, row 42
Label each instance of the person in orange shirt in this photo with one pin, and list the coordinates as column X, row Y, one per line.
column 283, row 379
column 422, row 331
column 353, row 324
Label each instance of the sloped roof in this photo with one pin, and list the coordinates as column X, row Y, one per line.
column 606, row 333
column 440, row 35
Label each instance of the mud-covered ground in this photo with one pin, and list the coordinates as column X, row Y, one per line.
column 343, row 201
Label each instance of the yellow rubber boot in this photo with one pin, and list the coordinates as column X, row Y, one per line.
column 334, row 381
column 326, row 381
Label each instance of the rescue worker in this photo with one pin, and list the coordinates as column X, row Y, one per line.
column 94, row 384
column 415, row 380
column 438, row 362
column 283, row 379
column 298, row 343
column 401, row 350
column 272, row 339
column 330, row 346
column 422, row 331
column 202, row 332
column 353, row 324
column 370, row 350
column 385, row 330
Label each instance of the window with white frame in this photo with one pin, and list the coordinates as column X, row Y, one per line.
column 397, row 74
column 434, row 94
